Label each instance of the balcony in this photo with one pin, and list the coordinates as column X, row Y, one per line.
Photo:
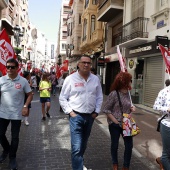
column 97, row 36
column 135, row 32
column 109, row 9
column 4, row 4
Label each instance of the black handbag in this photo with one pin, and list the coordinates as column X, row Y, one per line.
column 159, row 122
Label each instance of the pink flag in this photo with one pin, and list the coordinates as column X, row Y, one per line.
column 122, row 60
column 166, row 57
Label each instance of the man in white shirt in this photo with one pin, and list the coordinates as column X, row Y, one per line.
column 81, row 98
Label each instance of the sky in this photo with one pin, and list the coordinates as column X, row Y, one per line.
column 45, row 15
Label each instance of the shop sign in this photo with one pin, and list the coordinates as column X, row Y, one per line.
column 101, row 62
column 131, row 64
column 161, row 40
column 141, row 49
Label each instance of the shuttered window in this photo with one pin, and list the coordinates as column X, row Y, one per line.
column 137, row 8
column 153, row 79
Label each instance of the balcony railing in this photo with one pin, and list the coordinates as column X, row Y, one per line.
column 136, row 28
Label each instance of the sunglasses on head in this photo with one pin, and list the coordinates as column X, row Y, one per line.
column 10, row 67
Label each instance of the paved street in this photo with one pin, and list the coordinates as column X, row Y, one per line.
column 46, row 145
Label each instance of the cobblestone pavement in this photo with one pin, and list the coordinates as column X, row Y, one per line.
column 46, row 145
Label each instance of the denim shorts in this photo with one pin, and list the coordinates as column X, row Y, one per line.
column 45, row 99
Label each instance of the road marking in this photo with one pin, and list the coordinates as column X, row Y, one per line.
column 34, row 101
column 137, row 153
column 145, row 123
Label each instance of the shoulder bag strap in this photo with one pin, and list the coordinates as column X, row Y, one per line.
column 120, row 103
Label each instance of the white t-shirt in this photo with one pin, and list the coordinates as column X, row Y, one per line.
column 12, row 96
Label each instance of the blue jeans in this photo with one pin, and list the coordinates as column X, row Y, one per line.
column 80, row 128
column 115, row 132
column 15, row 129
column 165, row 134
column 53, row 89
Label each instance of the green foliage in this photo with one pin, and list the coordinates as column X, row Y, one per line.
column 17, row 50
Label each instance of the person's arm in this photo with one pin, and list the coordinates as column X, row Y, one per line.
column 99, row 98
column 64, row 96
column 108, row 107
column 28, row 101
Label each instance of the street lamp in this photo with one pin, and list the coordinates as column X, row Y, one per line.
column 18, row 34
column 59, row 60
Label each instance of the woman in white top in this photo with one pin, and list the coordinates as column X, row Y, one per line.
column 162, row 104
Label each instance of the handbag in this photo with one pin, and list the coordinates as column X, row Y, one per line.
column 129, row 125
column 159, row 122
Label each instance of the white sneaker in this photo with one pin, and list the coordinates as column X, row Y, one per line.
column 22, row 121
column 26, row 122
column 84, row 168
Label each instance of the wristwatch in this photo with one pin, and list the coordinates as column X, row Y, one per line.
column 25, row 106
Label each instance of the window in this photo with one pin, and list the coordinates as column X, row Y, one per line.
column 63, row 46
column 93, row 21
column 78, row 42
column 86, row 3
column 137, row 8
column 94, row 2
column 79, row 18
column 84, row 29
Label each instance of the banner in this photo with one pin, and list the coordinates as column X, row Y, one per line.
column 166, row 57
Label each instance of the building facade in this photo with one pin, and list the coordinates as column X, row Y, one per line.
column 74, row 30
column 137, row 29
column 62, row 36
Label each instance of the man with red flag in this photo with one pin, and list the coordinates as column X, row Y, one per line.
column 13, row 88
column 6, row 52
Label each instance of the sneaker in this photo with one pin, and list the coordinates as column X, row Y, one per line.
column 48, row 115
column 43, row 118
column 3, row 157
column 13, row 164
column 22, row 121
column 26, row 122
column 84, row 168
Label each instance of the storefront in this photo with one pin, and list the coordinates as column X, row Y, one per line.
column 109, row 71
column 145, row 63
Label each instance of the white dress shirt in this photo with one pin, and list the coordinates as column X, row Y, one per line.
column 80, row 95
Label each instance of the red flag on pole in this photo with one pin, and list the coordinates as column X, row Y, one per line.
column 6, row 51
column 58, row 74
column 166, row 57
column 61, row 69
column 122, row 60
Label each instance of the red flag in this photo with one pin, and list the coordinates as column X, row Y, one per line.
column 122, row 60
column 166, row 57
column 6, row 52
column 58, row 74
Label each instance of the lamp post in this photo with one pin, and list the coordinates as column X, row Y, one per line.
column 59, row 60
column 18, row 34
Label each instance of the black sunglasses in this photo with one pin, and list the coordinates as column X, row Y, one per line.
column 10, row 67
